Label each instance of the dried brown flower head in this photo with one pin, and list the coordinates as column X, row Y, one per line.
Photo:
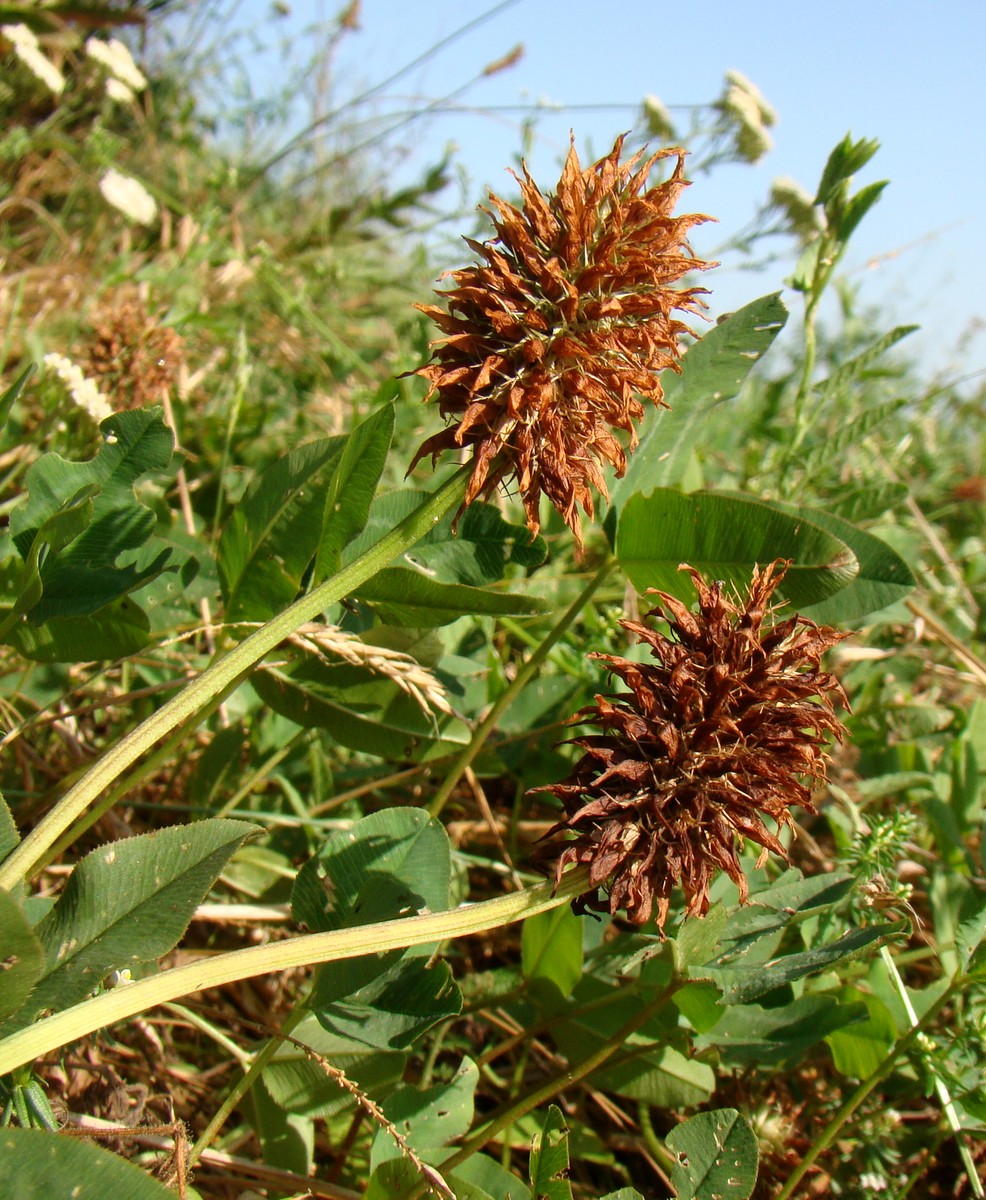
column 132, row 357
column 569, row 319
column 715, row 735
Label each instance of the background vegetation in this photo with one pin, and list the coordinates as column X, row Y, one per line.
column 243, row 320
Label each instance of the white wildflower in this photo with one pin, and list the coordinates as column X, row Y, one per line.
column 798, row 207
column 768, row 114
column 27, row 50
column 659, row 123
column 117, row 59
column 84, row 392
column 752, row 139
column 128, row 196
column 20, row 35
column 118, row 91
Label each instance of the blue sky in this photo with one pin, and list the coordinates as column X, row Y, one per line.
column 902, row 71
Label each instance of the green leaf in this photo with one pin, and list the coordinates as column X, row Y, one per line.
column 859, row 1049
column 299, row 1085
column 116, row 631
column 844, row 161
column 286, row 1139
column 717, row 1157
column 477, row 553
column 698, row 939
column 85, row 574
column 549, row 1158
column 402, row 596
column 882, row 577
column 21, row 957
column 551, row 951
column 482, row 1178
column 857, row 207
column 273, row 534
column 969, row 936
column 9, row 837
column 429, row 1119
column 869, row 502
column 10, row 395
column 724, row 536
column 42, row 1165
column 394, row 863
column 393, row 1009
column 128, row 903
column 626, row 1193
column 351, row 488
column 741, row 982
column 660, row 1076
column 713, row 371
column 747, row 1035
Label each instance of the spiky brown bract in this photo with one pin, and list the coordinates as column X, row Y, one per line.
column 715, row 736
column 568, row 321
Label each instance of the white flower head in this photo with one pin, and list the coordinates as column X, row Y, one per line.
column 768, row 114
column 33, row 58
column 84, row 392
column 20, row 35
column 117, row 59
column 128, row 196
column 118, row 91
column 752, row 139
column 790, row 198
column 659, row 123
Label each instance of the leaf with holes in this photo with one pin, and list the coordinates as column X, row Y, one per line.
column 549, row 1158
column 716, row 1156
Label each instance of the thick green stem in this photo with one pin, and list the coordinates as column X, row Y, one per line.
column 524, row 675
column 81, row 1019
column 219, row 677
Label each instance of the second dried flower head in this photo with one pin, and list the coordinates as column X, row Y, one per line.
column 715, row 736
column 568, row 320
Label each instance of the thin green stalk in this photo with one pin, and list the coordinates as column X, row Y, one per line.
column 506, row 698
column 260, row 775
column 885, row 1069
column 659, row 1152
column 941, row 1087
column 66, row 1026
column 197, row 1021
column 219, row 677
column 244, row 1083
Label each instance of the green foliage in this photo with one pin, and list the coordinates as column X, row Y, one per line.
column 438, row 672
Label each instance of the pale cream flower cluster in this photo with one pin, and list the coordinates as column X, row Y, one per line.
column 744, row 102
column 28, row 50
column 798, row 207
column 658, row 119
column 84, row 391
column 124, row 77
column 129, row 196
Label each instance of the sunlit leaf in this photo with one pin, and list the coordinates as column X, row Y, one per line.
column 716, row 1156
